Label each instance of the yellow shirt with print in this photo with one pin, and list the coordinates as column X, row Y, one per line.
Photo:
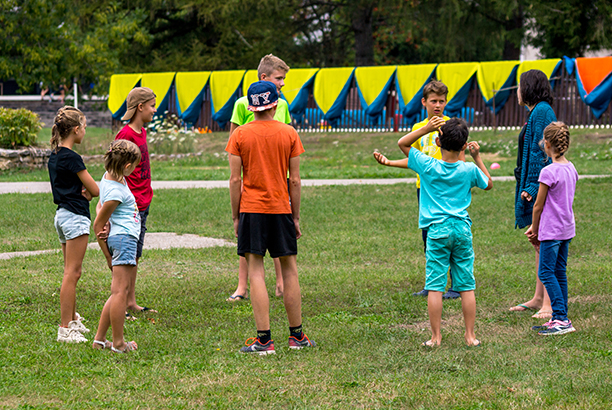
column 427, row 144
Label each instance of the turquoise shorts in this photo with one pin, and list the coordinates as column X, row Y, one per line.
column 449, row 245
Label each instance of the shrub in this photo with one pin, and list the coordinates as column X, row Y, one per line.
column 169, row 136
column 18, row 128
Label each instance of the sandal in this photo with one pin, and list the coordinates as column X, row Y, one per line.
column 236, row 298
column 521, row 307
column 105, row 344
column 129, row 316
column 129, row 346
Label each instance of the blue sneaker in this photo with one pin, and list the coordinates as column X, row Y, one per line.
column 542, row 327
column 421, row 293
column 295, row 343
column 558, row 327
column 254, row 346
column 451, row 294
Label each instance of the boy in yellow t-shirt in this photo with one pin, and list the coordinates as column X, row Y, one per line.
column 434, row 101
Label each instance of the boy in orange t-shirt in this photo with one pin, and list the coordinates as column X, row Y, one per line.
column 264, row 219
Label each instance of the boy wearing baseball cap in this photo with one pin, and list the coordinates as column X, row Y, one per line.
column 273, row 69
column 140, row 111
column 262, row 151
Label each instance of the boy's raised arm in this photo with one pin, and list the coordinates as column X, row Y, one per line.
column 382, row 160
column 474, row 148
column 405, row 143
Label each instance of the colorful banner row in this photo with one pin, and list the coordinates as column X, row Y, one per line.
column 330, row 87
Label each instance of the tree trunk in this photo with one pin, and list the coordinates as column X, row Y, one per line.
column 362, row 28
column 514, row 36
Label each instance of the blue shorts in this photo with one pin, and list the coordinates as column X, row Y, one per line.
column 449, row 244
column 70, row 225
column 122, row 249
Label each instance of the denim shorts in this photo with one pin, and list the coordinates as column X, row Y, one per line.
column 122, row 249
column 449, row 245
column 70, row 225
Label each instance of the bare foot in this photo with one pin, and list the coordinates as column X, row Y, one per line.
column 430, row 343
column 542, row 314
column 473, row 343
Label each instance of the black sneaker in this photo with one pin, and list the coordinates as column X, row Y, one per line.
column 421, row 293
column 256, row 347
column 451, row 294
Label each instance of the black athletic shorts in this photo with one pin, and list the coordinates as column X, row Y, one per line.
column 272, row 232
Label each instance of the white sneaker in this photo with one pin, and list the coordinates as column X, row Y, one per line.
column 68, row 335
column 78, row 326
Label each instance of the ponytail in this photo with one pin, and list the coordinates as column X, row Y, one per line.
column 66, row 120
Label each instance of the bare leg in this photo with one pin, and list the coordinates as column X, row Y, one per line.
column 538, row 301
column 259, row 293
column 131, row 294
column 468, row 305
column 123, row 275
column 434, row 307
column 279, row 277
column 74, row 252
column 243, row 281
column 292, row 296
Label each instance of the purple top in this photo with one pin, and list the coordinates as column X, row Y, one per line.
column 557, row 220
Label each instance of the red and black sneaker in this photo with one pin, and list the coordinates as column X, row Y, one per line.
column 253, row 345
column 295, row 343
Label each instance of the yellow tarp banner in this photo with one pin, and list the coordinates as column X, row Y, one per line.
column 455, row 75
column 492, row 76
column 547, row 66
column 249, row 78
column 120, row 87
column 294, row 81
column 372, row 80
column 160, row 84
column 328, row 85
column 410, row 79
column 189, row 86
column 223, row 84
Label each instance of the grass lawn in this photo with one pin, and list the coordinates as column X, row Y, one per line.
column 360, row 259
column 336, row 155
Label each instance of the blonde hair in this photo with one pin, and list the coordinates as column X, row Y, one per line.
column 557, row 135
column 269, row 64
column 66, row 120
column 121, row 153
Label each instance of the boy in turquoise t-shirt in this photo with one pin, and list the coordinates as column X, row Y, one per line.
column 445, row 197
column 273, row 69
column 434, row 101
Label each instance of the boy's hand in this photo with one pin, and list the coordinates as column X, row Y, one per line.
column 434, row 124
column 381, row 158
column 526, row 197
column 474, row 148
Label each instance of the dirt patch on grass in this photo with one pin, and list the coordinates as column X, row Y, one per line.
column 586, row 299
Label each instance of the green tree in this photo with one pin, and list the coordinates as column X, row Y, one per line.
column 570, row 27
column 53, row 41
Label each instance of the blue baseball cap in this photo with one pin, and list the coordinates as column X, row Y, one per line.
column 262, row 96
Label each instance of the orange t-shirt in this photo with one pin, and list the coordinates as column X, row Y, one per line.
column 265, row 148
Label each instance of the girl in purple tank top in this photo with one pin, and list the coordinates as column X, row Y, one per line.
column 554, row 226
